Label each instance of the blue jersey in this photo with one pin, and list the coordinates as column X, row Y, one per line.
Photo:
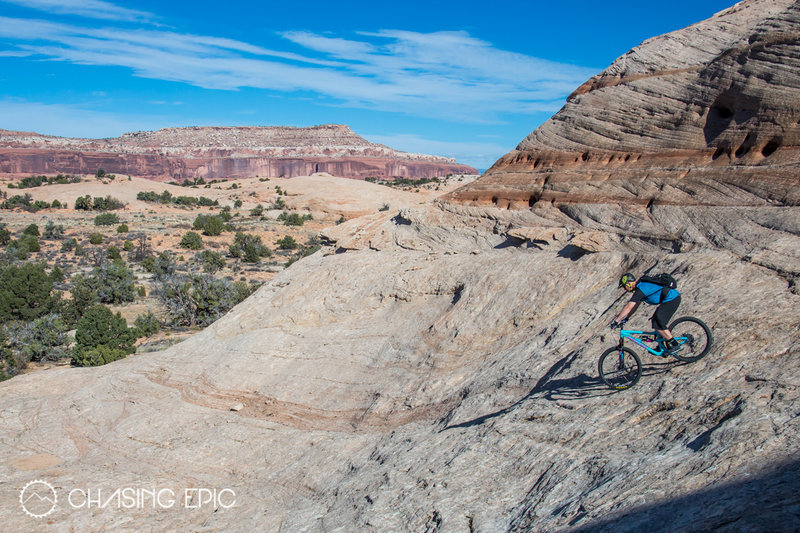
column 651, row 293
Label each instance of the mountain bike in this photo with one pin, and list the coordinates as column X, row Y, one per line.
column 620, row 367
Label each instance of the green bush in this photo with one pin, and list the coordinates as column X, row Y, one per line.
column 20, row 249
column 67, row 245
column 198, row 300
column 211, row 261
column 52, row 231
column 11, row 362
column 257, row 211
column 248, row 248
column 161, row 265
column 43, row 339
column 122, row 228
column 146, row 324
column 192, row 241
column 106, row 219
column 213, row 226
column 111, row 283
column 112, row 252
column 287, row 243
column 95, row 238
column 56, row 274
column 26, row 293
column 127, row 246
column 32, row 230
column 5, row 235
column 83, row 203
column 293, row 219
column 102, row 337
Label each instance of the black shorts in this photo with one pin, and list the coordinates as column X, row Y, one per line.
column 664, row 313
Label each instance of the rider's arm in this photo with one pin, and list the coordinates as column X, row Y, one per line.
column 627, row 310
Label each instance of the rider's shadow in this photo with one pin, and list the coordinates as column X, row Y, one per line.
column 579, row 387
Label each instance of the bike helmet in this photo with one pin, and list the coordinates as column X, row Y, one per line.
column 626, row 278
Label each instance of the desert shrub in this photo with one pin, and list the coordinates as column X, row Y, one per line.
column 287, row 243
column 146, row 324
column 102, row 337
column 56, row 204
column 19, row 249
column 111, row 283
column 237, row 203
column 42, row 339
column 31, row 229
column 83, row 203
column 106, row 219
column 127, row 246
column 122, row 228
column 248, row 248
column 293, row 219
column 207, row 202
column 100, row 173
column 257, row 211
column 211, row 261
column 225, row 214
column 198, row 300
column 11, row 364
column 67, row 245
column 26, row 293
column 141, row 291
column 56, row 274
column 95, row 238
column 160, row 265
column 211, row 225
column 5, row 235
column 192, row 241
column 112, row 252
column 278, row 204
column 53, row 231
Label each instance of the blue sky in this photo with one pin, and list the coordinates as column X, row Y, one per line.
column 461, row 79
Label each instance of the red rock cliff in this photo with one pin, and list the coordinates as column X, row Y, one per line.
column 220, row 152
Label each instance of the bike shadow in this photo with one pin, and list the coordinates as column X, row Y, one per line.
column 579, row 387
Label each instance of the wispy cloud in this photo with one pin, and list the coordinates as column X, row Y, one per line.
column 86, row 8
column 447, row 74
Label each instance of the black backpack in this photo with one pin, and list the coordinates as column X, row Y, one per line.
column 666, row 281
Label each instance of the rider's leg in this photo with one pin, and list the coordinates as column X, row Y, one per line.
column 662, row 316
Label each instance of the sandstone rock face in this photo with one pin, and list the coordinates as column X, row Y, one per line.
column 431, row 370
column 707, row 115
column 219, row 152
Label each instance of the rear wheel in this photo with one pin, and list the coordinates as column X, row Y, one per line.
column 620, row 368
column 694, row 336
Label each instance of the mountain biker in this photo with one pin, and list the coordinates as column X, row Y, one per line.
column 650, row 293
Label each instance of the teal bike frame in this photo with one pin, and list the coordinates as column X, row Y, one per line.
column 642, row 337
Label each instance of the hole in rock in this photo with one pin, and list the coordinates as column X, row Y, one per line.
column 494, row 200
column 536, row 163
column 585, row 156
column 723, row 112
column 718, row 153
column 742, row 150
column 770, row 148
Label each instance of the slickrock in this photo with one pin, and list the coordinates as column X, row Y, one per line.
column 433, row 368
column 220, row 152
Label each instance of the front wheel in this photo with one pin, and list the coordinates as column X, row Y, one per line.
column 694, row 337
column 620, row 368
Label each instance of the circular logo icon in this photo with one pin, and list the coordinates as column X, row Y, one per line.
column 38, row 498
